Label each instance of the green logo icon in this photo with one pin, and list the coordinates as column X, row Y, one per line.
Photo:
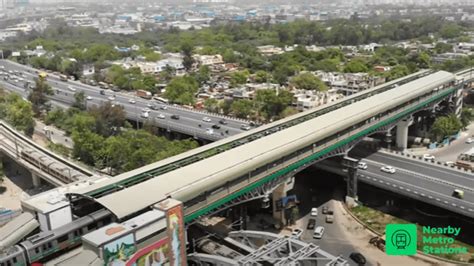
column 400, row 239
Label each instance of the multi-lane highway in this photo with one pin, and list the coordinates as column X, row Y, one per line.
column 190, row 122
column 417, row 179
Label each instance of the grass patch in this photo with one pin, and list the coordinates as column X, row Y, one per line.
column 377, row 220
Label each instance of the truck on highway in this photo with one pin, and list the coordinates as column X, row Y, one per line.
column 144, row 94
column 63, row 77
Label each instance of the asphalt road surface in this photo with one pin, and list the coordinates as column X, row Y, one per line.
column 190, row 121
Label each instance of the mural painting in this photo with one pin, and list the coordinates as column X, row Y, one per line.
column 153, row 255
column 117, row 252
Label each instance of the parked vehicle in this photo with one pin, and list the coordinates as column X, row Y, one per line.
column 311, row 224
column 296, row 233
column 63, row 77
column 358, row 258
column 362, row 165
column 318, row 232
column 329, row 219
column 314, row 211
column 428, row 157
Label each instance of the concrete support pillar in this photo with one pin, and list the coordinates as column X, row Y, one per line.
column 277, row 194
column 402, row 132
column 350, row 164
column 458, row 100
column 36, row 179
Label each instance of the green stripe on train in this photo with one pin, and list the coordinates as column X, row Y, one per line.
column 310, row 158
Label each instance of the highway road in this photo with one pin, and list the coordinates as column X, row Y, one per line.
column 416, row 179
column 190, row 121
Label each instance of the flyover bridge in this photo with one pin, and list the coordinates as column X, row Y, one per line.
column 230, row 171
column 41, row 162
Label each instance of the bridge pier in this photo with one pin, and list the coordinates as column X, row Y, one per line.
column 36, row 179
column 351, row 165
column 277, row 194
column 402, row 132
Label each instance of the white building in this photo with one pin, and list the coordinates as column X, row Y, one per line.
column 207, row 60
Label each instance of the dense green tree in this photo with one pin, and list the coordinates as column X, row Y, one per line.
column 39, row 96
column 202, row 75
column 356, row 66
column 87, row 146
column 271, row 104
column 80, row 101
column 211, row 105
column 441, row 48
column 262, row 76
column 182, row 90
column 17, row 112
column 450, row 30
column 242, row 108
column 239, row 78
column 445, row 126
column 397, row 72
column 109, row 119
column 467, row 116
column 187, row 50
column 308, row 81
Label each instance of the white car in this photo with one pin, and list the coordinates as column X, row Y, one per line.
column 161, row 116
column 112, row 98
column 388, row 169
column 71, row 88
column 149, row 105
column 209, row 131
column 362, row 165
column 145, row 114
column 132, row 101
column 314, row 211
column 206, row 119
column 469, row 140
column 318, row 232
column 296, row 233
column 428, row 157
column 89, row 98
column 163, row 107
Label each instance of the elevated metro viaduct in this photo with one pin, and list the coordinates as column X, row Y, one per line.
column 229, row 174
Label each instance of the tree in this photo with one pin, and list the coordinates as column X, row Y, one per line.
column 109, row 119
column 87, row 146
column 451, row 30
column 467, row 116
column 242, row 108
column 20, row 114
column 397, row 72
column 308, row 81
column 182, row 90
column 188, row 60
column 238, row 78
column 262, row 76
column 445, row 126
column 211, row 105
column 38, row 96
column 356, row 66
column 80, row 101
column 271, row 104
column 203, row 75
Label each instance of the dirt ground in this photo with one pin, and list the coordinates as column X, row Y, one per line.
column 11, row 191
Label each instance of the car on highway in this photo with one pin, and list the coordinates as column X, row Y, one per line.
column 318, row 232
column 388, row 169
column 358, row 258
column 428, row 157
column 176, row 117
column 457, row 193
column 149, row 105
column 314, row 211
column 362, row 165
column 325, row 209
column 206, row 119
column 245, row 127
column 216, row 126
column 222, row 122
column 89, row 98
column 154, row 107
column 112, row 98
column 161, row 116
column 296, row 233
column 311, row 224
column 469, row 140
column 145, row 114
column 102, row 92
column 71, row 88
column 329, row 218
column 449, row 163
column 132, row 101
column 209, row 131
column 163, row 107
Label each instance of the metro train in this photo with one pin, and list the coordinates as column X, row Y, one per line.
column 45, row 245
column 51, row 167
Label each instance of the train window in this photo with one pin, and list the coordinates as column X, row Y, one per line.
column 14, row 260
column 80, row 231
column 62, row 238
column 9, row 263
column 2, row 264
column 50, row 245
column 76, row 233
column 37, row 250
column 45, row 247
